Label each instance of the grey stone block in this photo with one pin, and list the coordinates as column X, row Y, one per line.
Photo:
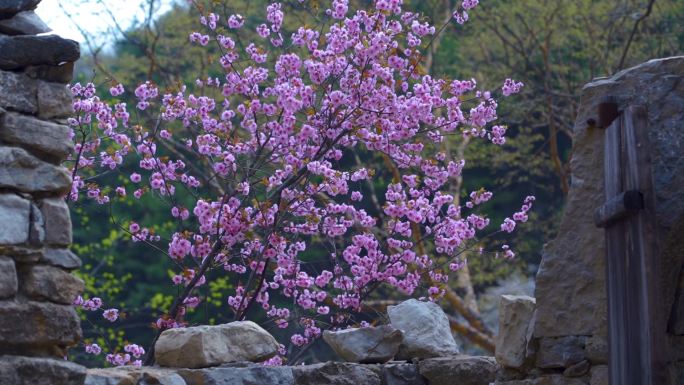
column 57, row 218
column 63, row 258
column 44, row 138
column 15, row 370
column 22, row 171
column 467, row 370
column 336, row 373
column 23, row 23
column 9, row 8
column 54, row 100
column 23, row 51
column 515, row 317
column 561, row 352
column 15, row 216
column 18, row 92
column 50, row 283
column 38, row 324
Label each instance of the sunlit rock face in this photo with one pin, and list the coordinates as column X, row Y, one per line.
column 212, row 345
column 366, row 345
column 516, row 314
column 426, row 330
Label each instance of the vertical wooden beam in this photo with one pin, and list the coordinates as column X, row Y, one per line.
column 642, row 250
column 615, row 264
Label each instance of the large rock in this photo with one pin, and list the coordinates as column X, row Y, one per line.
column 38, row 324
column 130, row 375
column 336, row 373
column 257, row 374
column 23, row 51
column 24, row 172
column 577, row 370
column 546, row 380
column 63, row 73
column 15, row 216
column 204, row 346
column 515, row 316
column 50, row 283
column 54, row 100
column 8, row 278
column 24, row 23
column 599, row 375
column 570, row 285
column 15, row 370
column 9, row 8
column 366, row 345
column 109, row 376
column 57, row 221
column 46, row 138
column 426, row 330
column 402, row 374
column 461, row 370
column 561, row 352
column 21, row 254
column 18, row 92
column 63, row 258
column 596, row 348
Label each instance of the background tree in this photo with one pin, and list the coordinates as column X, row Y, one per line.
column 553, row 46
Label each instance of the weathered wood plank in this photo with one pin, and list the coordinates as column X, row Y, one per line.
column 615, row 271
column 642, row 249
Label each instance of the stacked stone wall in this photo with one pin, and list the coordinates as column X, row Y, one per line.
column 453, row 370
column 37, row 320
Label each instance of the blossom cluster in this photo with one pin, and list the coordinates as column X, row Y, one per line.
column 94, row 304
column 276, row 185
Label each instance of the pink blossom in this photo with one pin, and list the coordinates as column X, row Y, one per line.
column 135, row 350
column 111, row 315
column 469, row 4
column 93, row 349
column 92, row 304
column 119, row 359
column 235, row 21
column 117, row 90
column 511, row 87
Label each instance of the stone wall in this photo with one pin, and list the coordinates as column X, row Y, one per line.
column 454, row 370
column 565, row 339
column 37, row 321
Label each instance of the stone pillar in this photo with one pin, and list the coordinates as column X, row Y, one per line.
column 569, row 328
column 37, row 320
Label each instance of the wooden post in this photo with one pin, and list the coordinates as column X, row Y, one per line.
column 635, row 327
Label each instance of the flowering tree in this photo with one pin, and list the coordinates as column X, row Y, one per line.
column 254, row 168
